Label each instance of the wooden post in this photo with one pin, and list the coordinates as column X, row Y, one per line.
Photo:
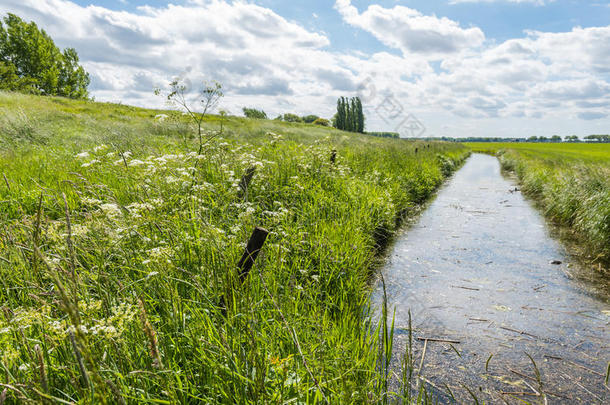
column 415, row 150
column 245, row 181
column 333, row 156
column 255, row 244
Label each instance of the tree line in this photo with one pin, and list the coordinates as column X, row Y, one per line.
column 30, row 62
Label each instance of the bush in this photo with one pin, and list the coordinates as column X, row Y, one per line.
column 322, row 121
column 292, row 118
column 254, row 113
column 309, row 119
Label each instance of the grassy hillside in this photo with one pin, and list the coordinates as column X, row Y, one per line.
column 119, row 245
column 570, row 181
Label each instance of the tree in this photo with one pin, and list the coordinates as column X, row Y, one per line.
column 555, row 138
column 254, row 113
column 288, row 117
column 350, row 116
column 532, row 139
column 322, row 121
column 360, row 116
column 309, row 119
column 30, row 62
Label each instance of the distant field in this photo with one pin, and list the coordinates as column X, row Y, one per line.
column 570, row 180
column 119, row 244
column 558, row 153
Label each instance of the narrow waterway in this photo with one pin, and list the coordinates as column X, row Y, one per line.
column 477, row 267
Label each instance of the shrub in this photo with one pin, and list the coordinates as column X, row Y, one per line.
column 292, row 118
column 322, row 121
column 254, row 113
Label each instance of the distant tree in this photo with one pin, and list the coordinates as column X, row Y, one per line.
column 30, row 62
column 279, row 118
column 556, row 138
column 322, row 121
column 309, row 119
column 288, row 117
column 254, row 113
column 385, row 134
column 359, row 116
column 349, row 116
column 532, row 139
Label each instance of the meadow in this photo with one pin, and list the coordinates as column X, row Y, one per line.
column 571, row 183
column 119, row 246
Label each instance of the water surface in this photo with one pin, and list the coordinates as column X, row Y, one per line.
column 476, row 268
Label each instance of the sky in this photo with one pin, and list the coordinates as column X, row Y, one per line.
column 500, row 68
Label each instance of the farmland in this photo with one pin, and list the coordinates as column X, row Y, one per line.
column 119, row 244
column 570, row 181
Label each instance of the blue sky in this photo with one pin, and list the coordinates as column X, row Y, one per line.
column 458, row 67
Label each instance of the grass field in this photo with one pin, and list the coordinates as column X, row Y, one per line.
column 571, row 181
column 119, row 242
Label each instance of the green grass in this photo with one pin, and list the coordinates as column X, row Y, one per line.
column 570, row 181
column 118, row 243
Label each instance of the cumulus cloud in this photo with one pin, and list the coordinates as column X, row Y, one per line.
column 411, row 31
column 535, row 2
column 433, row 67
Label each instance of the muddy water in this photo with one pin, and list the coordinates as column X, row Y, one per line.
column 476, row 268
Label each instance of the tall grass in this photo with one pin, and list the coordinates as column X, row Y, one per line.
column 572, row 184
column 119, row 244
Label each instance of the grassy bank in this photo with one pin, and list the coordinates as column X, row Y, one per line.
column 570, row 181
column 119, row 244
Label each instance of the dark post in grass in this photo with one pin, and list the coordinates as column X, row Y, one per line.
column 333, row 156
column 244, row 183
column 255, row 244
column 415, row 150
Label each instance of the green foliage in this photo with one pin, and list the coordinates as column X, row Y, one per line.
column 349, row 116
column 322, row 121
column 384, row 134
column 288, row 117
column 30, row 62
column 310, row 119
column 156, row 230
column 254, row 113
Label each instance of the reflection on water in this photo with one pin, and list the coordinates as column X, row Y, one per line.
column 476, row 268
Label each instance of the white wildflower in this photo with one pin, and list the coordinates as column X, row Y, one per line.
column 111, row 210
column 91, row 163
column 82, row 155
column 136, row 162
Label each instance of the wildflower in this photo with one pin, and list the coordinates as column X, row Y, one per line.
column 136, row 162
column 90, row 201
column 94, row 161
column 82, row 155
column 112, row 211
column 100, row 148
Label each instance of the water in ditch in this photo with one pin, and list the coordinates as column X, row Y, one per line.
column 481, row 267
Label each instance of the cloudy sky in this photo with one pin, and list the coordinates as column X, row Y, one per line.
column 451, row 67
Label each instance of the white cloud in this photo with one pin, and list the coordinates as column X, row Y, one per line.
column 410, row 31
column 447, row 75
column 535, row 2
